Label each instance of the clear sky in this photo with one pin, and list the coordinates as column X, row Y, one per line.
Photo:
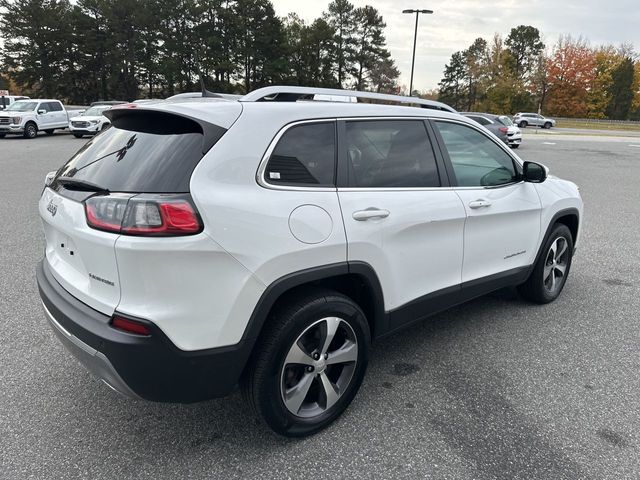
column 456, row 23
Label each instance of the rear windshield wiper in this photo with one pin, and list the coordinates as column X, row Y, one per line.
column 77, row 184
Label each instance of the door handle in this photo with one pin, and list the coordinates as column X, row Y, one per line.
column 480, row 203
column 362, row 215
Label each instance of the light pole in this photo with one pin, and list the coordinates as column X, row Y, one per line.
column 415, row 37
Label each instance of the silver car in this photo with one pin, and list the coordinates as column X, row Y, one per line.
column 523, row 120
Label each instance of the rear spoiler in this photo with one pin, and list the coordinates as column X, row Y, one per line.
column 158, row 122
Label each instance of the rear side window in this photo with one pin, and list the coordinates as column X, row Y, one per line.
column 305, row 155
column 390, row 153
column 150, row 153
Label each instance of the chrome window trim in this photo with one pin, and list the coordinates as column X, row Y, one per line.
column 262, row 181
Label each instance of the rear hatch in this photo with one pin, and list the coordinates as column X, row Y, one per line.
column 144, row 154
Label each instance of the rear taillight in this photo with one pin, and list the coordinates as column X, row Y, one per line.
column 130, row 326
column 145, row 214
column 504, row 129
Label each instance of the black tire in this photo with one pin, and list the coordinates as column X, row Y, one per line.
column 515, row 145
column 30, row 130
column 2, row 135
column 294, row 323
column 523, row 124
column 49, row 131
column 77, row 135
column 537, row 287
column 547, row 125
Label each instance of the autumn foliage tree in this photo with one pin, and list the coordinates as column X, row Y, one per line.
column 570, row 75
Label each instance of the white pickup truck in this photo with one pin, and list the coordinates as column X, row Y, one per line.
column 28, row 117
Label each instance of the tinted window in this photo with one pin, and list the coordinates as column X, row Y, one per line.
column 305, row 155
column 55, row 107
column 506, row 121
column 135, row 161
column 390, row 153
column 476, row 160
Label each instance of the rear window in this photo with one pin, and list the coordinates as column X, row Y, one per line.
column 150, row 155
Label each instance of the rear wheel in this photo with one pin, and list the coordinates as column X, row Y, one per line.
column 49, row 131
column 523, row 124
column 311, row 363
column 552, row 268
column 547, row 125
column 30, row 130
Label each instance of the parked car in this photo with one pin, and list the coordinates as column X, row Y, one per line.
column 491, row 123
column 523, row 120
column 90, row 122
column 6, row 100
column 182, row 259
column 514, row 134
column 28, row 117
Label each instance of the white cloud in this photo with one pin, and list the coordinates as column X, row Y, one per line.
column 456, row 24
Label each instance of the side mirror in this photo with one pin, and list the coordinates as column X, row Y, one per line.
column 42, row 111
column 534, row 172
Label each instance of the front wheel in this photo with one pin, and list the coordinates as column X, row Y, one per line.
column 547, row 125
column 30, row 131
column 523, row 124
column 310, row 363
column 552, row 268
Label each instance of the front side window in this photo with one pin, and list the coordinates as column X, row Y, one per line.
column 477, row 161
column 391, row 154
column 304, row 156
column 55, row 107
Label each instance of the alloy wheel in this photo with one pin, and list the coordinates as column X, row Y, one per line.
column 555, row 266
column 319, row 367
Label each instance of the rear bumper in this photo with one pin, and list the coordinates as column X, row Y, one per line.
column 147, row 367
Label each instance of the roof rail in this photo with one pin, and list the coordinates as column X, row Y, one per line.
column 292, row 94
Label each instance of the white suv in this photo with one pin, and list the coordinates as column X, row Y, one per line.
column 199, row 244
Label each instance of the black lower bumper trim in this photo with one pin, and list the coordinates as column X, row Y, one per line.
column 152, row 367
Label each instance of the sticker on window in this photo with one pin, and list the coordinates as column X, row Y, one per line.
column 274, row 175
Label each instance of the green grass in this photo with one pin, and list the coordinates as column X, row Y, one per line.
column 597, row 126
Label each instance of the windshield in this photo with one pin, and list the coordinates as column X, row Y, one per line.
column 94, row 111
column 22, row 106
column 506, row 121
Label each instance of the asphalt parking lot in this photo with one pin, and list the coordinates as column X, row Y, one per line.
column 496, row 388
